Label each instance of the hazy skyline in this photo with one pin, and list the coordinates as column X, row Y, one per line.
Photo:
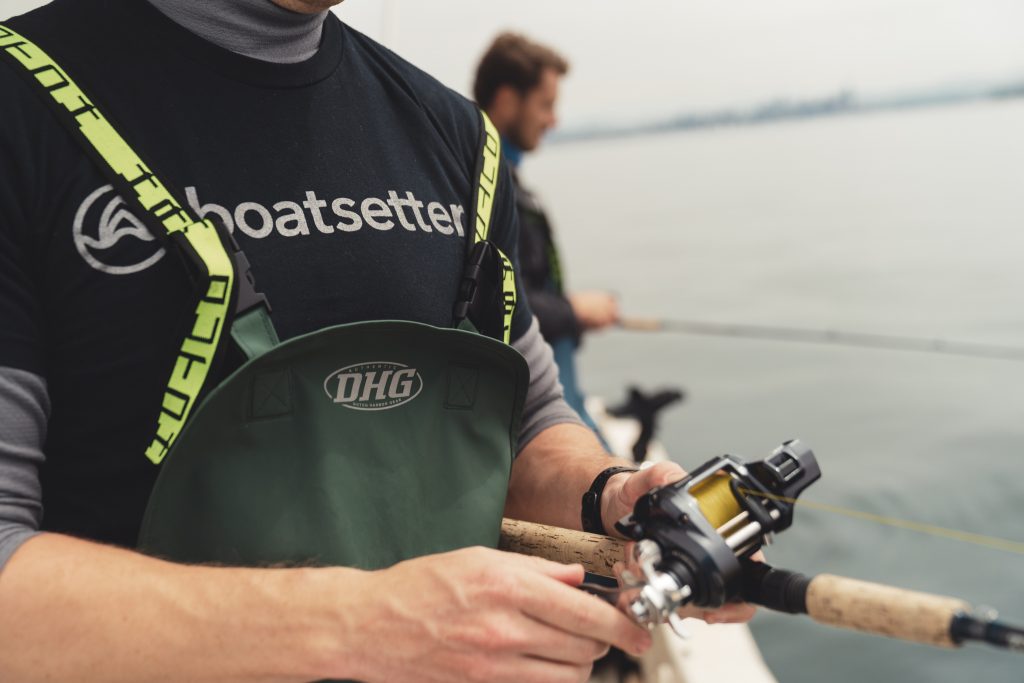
column 665, row 56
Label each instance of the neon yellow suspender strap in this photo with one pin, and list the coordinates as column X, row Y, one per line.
column 195, row 357
column 485, row 195
column 490, row 160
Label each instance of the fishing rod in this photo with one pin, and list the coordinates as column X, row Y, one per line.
column 694, row 543
column 832, row 337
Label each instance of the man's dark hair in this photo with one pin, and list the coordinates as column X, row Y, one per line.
column 514, row 60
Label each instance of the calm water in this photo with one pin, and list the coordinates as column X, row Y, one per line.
column 905, row 222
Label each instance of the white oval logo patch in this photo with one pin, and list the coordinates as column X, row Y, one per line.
column 373, row 386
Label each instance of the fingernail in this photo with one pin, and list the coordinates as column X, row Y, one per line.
column 642, row 644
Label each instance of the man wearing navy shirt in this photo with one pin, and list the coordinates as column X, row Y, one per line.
column 344, row 173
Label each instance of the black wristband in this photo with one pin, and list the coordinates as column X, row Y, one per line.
column 590, row 512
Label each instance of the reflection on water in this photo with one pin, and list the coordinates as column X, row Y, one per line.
column 904, row 223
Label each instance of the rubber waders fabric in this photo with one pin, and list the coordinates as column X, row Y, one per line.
column 358, row 445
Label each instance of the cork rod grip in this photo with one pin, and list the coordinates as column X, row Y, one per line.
column 596, row 553
column 883, row 610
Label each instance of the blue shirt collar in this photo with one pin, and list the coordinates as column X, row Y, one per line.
column 512, row 153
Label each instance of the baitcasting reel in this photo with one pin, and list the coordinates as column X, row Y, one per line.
column 694, row 535
column 695, row 542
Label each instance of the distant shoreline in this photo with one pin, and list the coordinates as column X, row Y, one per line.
column 844, row 103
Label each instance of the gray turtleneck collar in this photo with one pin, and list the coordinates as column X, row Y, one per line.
column 254, row 28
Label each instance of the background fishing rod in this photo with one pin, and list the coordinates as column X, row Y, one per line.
column 830, row 337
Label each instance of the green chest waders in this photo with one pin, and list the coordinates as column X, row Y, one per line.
column 357, row 445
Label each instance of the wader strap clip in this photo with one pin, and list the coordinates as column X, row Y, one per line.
column 248, row 296
column 470, row 282
column 478, row 299
column 487, row 294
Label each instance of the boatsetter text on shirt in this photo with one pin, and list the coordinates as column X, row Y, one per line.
column 290, row 218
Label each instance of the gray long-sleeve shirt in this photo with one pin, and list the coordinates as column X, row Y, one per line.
column 24, row 408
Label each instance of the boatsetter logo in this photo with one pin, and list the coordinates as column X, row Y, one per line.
column 111, row 239
column 373, row 386
column 295, row 219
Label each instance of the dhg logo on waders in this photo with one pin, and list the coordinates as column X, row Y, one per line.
column 373, row 386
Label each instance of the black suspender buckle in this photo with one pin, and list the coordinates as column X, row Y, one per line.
column 248, row 296
column 479, row 298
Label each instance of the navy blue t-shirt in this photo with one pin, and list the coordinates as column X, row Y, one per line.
column 346, row 179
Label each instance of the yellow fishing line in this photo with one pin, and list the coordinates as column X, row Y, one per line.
column 920, row 527
column 716, row 500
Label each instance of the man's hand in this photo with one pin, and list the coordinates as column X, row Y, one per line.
column 620, row 495
column 483, row 615
column 594, row 309
column 623, row 490
column 563, row 457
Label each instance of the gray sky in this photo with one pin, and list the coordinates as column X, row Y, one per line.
column 641, row 59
